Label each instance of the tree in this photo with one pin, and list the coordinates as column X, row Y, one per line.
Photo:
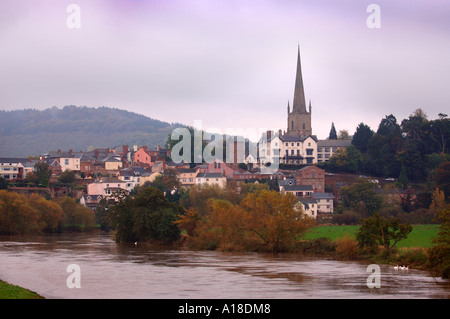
column 377, row 230
column 3, row 183
column 16, row 214
column 361, row 137
column 264, row 220
column 148, row 216
column 442, row 178
column 403, row 177
column 333, row 135
column 76, row 217
column 439, row 253
column 43, row 172
column 67, row 177
column 343, row 135
column 361, row 197
column 50, row 213
column 389, row 127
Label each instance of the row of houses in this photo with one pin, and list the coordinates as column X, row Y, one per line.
column 102, row 161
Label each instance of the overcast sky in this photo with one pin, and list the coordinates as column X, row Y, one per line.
column 229, row 63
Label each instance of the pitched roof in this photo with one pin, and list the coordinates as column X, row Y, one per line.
column 294, row 188
column 319, row 195
column 334, row 143
column 210, row 175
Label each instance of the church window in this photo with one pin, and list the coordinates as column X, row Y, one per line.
column 304, row 126
column 292, row 125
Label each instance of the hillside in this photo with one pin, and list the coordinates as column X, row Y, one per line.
column 33, row 132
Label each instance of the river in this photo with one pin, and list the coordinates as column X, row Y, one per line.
column 109, row 270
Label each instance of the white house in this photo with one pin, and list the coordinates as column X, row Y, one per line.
column 324, row 202
column 298, row 149
column 211, row 179
column 106, row 186
column 309, row 207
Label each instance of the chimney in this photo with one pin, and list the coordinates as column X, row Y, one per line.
column 124, row 149
column 145, row 149
column 269, row 135
column 70, row 151
column 279, row 132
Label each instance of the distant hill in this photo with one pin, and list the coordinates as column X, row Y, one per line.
column 32, row 132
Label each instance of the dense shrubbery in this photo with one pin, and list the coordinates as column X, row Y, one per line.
column 20, row 214
column 262, row 220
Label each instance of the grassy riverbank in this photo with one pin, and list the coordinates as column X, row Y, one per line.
column 420, row 237
column 8, row 291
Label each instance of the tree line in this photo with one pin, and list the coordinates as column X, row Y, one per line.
column 410, row 151
column 21, row 214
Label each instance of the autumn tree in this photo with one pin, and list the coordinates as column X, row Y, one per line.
column 20, row 214
column 76, row 217
column 439, row 253
column 16, row 214
column 50, row 213
column 264, row 220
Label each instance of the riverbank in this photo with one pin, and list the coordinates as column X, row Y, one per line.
column 8, row 291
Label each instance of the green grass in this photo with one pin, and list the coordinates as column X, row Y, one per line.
column 8, row 291
column 421, row 235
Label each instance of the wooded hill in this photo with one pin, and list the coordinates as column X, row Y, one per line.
column 33, row 132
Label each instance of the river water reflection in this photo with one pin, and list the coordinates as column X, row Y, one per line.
column 110, row 270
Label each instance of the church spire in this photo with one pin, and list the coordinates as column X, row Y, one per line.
column 299, row 105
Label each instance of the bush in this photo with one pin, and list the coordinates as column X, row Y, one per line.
column 348, row 217
column 347, row 248
column 318, row 246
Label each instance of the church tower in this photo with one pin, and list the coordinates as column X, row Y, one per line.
column 299, row 120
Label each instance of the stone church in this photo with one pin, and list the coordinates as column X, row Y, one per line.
column 297, row 145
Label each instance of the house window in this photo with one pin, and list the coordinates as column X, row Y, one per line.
column 66, row 161
column 309, row 151
column 292, row 144
column 298, row 144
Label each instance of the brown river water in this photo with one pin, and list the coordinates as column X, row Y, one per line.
column 105, row 270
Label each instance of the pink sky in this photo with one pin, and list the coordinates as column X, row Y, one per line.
column 228, row 63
